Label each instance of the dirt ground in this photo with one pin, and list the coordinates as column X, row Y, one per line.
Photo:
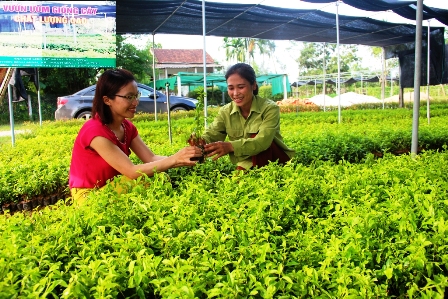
column 408, row 97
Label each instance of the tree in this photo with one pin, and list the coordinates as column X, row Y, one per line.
column 65, row 81
column 235, row 49
column 244, row 49
column 138, row 61
column 391, row 63
column 311, row 59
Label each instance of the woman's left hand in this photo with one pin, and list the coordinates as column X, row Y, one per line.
column 218, row 149
column 183, row 156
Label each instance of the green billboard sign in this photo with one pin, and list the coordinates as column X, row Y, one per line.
column 57, row 34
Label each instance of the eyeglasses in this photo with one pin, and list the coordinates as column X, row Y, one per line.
column 130, row 98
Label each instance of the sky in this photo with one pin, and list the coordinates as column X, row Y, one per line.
column 284, row 59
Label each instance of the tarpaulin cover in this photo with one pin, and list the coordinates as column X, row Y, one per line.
column 258, row 21
column 275, row 23
column 197, row 79
column 406, row 51
column 404, row 8
column 438, row 60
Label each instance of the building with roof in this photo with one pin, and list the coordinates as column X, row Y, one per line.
column 173, row 61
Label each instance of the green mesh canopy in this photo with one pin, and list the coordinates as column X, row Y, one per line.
column 194, row 80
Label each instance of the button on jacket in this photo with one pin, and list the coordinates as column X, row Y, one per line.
column 263, row 120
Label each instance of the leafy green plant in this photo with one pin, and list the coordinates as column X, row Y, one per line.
column 198, row 116
column 39, row 163
column 195, row 138
column 373, row 229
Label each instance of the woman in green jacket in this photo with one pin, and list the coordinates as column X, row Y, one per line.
column 251, row 123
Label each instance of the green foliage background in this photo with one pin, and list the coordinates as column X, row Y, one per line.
column 335, row 222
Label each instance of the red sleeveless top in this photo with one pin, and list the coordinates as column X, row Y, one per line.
column 87, row 168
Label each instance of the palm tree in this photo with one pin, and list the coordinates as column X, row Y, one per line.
column 243, row 49
column 265, row 47
column 235, row 49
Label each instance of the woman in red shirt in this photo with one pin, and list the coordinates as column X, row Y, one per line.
column 104, row 143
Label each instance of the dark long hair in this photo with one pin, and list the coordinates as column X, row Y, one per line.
column 109, row 83
column 246, row 72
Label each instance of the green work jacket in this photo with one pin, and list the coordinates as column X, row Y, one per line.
column 263, row 119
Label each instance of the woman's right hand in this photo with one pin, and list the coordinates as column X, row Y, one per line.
column 218, row 149
column 182, row 157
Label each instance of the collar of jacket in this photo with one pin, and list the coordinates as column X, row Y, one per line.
column 255, row 107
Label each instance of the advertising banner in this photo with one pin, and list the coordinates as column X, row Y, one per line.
column 57, row 34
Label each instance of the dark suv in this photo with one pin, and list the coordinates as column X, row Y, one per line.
column 79, row 104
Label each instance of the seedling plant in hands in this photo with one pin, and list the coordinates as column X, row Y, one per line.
column 195, row 137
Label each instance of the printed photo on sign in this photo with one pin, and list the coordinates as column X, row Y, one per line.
column 57, row 33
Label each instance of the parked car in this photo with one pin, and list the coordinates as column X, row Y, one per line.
column 79, row 104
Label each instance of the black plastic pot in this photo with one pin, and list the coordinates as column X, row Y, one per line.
column 47, row 201
column 19, row 206
column 34, row 203
column 54, row 199
column 11, row 207
column 27, row 205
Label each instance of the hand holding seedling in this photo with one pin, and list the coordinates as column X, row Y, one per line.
column 218, row 149
column 188, row 156
column 198, row 143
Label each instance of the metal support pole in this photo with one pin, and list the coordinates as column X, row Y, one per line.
column 417, row 77
column 428, row 73
column 391, row 85
column 38, row 98
column 167, row 89
column 325, row 74
column 383, row 76
column 285, row 91
column 213, row 88
column 339, row 63
column 205, row 64
column 30, row 109
column 11, row 113
column 362, row 92
column 154, row 77
column 400, row 90
column 179, row 86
